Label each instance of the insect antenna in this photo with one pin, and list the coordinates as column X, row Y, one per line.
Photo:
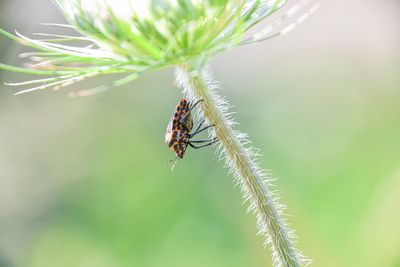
column 173, row 162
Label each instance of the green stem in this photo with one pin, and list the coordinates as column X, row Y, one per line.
column 241, row 160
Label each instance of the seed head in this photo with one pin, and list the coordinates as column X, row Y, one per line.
column 166, row 32
column 133, row 36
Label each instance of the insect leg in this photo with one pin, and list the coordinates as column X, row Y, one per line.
column 204, row 140
column 190, row 109
column 199, row 126
column 197, row 147
column 201, row 130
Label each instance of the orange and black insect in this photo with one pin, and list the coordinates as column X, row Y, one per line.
column 178, row 135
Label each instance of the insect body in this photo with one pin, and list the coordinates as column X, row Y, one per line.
column 178, row 135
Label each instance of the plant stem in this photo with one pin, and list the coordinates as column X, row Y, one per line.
column 198, row 84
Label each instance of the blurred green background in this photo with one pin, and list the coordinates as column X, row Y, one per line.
column 84, row 182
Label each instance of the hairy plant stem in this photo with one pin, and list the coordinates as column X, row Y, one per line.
column 240, row 160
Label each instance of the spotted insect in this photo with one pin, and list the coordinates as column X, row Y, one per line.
column 178, row 135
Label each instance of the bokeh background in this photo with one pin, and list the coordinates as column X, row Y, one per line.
column 84, row 182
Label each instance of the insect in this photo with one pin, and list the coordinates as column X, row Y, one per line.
column 178, row 135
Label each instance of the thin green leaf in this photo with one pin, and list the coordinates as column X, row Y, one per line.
column 33, row 71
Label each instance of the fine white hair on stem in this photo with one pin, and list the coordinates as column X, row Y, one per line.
column 241, row 160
